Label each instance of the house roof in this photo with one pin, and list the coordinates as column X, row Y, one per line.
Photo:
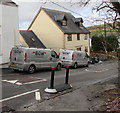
column 59, row 17
column 71, row 26
column 8, row 2
column 31, row 39
column 77, row 20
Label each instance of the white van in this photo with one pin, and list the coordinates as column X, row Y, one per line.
column 73, row 58
column 31, row 59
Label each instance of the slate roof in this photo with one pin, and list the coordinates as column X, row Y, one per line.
column 8, row 2
column 31, row 39
column 71, row 26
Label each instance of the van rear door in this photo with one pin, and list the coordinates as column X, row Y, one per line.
column 17, row 55
column 66, row 55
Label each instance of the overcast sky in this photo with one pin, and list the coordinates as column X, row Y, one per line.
column 29, row 8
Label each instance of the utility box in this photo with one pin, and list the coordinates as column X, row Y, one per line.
column 9, row 28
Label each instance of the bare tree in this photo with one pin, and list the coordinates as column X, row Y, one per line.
column 112, row 9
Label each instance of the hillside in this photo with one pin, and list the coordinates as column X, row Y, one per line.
column 100, row 30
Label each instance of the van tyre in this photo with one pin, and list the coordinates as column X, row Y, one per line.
column 75, row 66
column 31, row 69
column 59, row 66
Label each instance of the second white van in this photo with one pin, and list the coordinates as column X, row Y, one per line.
column 73, row 58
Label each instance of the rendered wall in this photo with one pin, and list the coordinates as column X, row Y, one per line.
column 48, row 32
column 74, row 44
column 10, row 33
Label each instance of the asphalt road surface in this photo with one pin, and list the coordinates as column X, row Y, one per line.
column 18, row 88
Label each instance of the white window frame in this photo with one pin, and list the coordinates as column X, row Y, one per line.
column 86, row 37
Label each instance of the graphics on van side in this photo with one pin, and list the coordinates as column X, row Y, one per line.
column 39, row 53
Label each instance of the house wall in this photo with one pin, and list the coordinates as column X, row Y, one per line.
column 10, row 33
column 74, row 44
column 48, row 32
column 0, row 33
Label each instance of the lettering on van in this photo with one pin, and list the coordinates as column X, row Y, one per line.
column 39, row 53
column 78, row 54
column 17, row 51
column 66, row 53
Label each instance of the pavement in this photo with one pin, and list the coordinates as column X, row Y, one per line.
column 84, row 98
column 87, row 98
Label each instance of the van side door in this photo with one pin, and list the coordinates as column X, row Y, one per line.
column 54, row 59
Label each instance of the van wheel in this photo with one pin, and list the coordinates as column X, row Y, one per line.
column 31, row 69
column 75, row 66
column 59, row 67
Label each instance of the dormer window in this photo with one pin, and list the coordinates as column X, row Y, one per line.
column 78, row 22
column 61, row 19
column 64, row 23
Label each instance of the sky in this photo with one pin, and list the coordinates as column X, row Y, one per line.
column 29, row 8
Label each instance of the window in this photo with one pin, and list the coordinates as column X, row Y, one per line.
column 64, row 22
column 69, row 38
column 54, row 54
column 33, row 39
column 78, row 36
column 85, row 38
column 86, row 49
column 79, row 48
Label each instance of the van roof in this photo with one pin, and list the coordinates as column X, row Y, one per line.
column 71, row 50
column 30, row 48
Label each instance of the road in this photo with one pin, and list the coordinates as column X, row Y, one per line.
column 18, row 88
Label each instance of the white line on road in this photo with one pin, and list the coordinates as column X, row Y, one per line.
column 18, row 95
column 43, row 80
column 97, row 71
column 18, row 83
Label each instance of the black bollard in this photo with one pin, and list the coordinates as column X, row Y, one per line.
column 52, row 78
column 67, row 75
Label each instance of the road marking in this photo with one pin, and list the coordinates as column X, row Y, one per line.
column 16, row 96
column 10, row 81
column 20, row 82
column 43, row 80
column 96, row 70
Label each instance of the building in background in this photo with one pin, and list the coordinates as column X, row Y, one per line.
column 9, row 26
column 60, row 30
